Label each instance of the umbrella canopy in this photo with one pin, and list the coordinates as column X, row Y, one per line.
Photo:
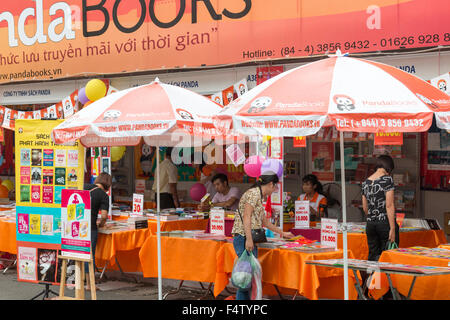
column 353, row 94
column 155, row 109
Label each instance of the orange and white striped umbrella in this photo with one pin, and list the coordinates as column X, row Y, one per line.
column 155, row 110
column 352, row 94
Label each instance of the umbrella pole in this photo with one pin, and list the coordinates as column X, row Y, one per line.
column 158, row 225
column 344, row 215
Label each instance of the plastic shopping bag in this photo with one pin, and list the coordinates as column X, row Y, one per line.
column 256, row 279
column 242, row 274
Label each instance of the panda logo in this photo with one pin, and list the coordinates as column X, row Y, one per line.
column 343, row 102
column 242, row 89
column 259, row 104
column 146, row 159
column 218, row 100
column 229, row 96
column 442, row 85
column 185, row 114
column 20, row 130
column 427, row 101
column 111, row 115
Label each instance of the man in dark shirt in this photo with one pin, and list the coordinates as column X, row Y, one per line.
column 99, row 204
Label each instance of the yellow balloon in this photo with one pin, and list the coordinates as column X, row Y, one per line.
column 117, row 153
column 8, row 184
column 95, row 89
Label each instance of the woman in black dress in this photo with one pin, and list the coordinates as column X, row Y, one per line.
column 378, row 204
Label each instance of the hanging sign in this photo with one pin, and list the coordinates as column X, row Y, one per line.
column 299, row 142
column 236, row 155
column 388, row 138
column 217, row 221
column 328, row 232
column 301, row 214
column 138, row 205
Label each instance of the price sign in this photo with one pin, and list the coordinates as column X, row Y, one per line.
column 217, row 221
column 301, row 214
column 138, row 205
column 328, row 232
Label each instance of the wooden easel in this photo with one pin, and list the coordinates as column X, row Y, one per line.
column 79, row 278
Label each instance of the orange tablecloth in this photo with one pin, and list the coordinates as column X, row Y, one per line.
column 181, row 258
column 357, row 242
column 445, row 246
column 124, row 245
column 287, row 269
column 8, row 237
column 425, row 288
column 188, row 224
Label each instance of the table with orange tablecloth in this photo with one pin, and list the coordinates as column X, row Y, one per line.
column 287, row 269
column 8, row 237
column 445, row 246
column 182, row 224
column 425, row 288
column 123, row 246
column 181, row 258
column 357, row 242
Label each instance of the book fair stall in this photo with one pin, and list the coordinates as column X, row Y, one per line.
column 339, row 153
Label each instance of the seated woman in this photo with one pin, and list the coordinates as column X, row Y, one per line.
column 313, row 192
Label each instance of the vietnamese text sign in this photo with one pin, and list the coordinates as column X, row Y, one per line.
column 328, row 232
column 299, row 142
column 105, row 37
column 42, row 172
column 301, row 214
column 388, row 138
column 76, row 224
column 138, row 205
column 217, row 221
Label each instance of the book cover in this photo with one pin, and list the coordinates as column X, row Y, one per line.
column 75, row 229
column 35, row 224
column 48, row 157
column 84, row 229
column 60, row 176
column 27, row 260
column 25, row 193
column 47, row 265
column 80, row 211
column 36, row 157
column 47, row 194
column 72, row 177
column 60, row 158
column 22, row 223
column 25, row 173
column 36, row 175
column 58, row 191
column 47, row 225
column 25, row 157
column 72, row 158
column 36, row 194
column 71, row 212
column 47, row 176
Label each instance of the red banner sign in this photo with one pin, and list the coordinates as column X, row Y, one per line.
column 388, row 138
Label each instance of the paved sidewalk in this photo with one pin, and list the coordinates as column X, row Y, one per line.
column 11, row 289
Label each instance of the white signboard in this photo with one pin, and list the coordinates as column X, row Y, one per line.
column 138, row 205
column 235, row 154
column 217, row 221
column 328, row 233
column 301, row 214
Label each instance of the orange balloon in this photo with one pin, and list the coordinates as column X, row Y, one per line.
column 4, row 193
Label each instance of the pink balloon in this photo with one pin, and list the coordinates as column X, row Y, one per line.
column 252, row 166
column 197, row 191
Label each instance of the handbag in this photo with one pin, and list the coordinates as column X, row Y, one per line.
column 391, row 245
column 258, row 235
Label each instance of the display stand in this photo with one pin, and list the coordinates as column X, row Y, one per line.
column 45, row 293
column 79, row 278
